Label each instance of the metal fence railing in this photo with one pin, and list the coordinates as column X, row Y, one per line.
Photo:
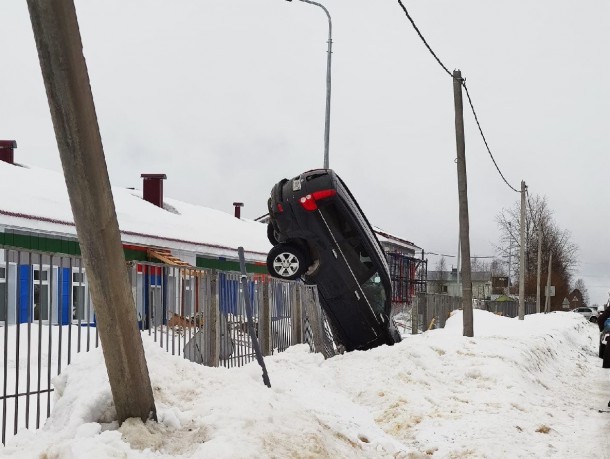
column 47, row 316
column 431, row 310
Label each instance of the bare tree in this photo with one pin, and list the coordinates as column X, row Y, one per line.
column 441, row 280
column 479, row 264
column 498, row 267
column 554, row 239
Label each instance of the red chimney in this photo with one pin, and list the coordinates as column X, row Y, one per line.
column 6, row 151
column 238, row 206
column 153, row 188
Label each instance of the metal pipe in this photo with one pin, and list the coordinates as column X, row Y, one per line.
column 328, row 82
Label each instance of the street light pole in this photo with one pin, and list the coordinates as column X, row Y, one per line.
column 328, row 81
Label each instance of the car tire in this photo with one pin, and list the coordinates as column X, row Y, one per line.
column 271, row 234
column 286, row 261
column 593, row 319
column 602, row 350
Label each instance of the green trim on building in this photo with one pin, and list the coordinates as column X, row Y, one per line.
column 40, row 243
column 67, row 246
column 229, row 265
column 135, row 255
column 61, row 245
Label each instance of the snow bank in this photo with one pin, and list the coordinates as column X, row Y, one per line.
column 507, row 392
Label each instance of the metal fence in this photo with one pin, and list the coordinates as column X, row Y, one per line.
column 431, row 310
column 47, row 316
column 508, row 308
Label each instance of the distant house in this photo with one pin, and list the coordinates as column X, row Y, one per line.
column 575, row 298
column 500, row 285
column 447, row 282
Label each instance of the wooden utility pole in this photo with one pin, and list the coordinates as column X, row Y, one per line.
column 463, row 203
column 522, row 255
column 70, row 99
column 539, row 267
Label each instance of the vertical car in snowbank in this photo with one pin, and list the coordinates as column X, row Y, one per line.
column 320, row 234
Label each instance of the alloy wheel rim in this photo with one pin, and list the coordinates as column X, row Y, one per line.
column 286, row 264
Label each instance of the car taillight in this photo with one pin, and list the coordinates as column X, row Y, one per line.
column 309, row 202
column 323, row 194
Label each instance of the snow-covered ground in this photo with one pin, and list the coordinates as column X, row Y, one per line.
column 518, row 389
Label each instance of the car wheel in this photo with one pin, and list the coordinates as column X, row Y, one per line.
column 602, row 350
column 271, row 234
column 286, row 261
column 593, row 319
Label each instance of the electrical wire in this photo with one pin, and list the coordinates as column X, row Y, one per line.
column 476, row 118
column 423, row 39
column 463, row 83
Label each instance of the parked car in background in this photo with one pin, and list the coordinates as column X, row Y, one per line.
column 589, row 313
column 319, row 234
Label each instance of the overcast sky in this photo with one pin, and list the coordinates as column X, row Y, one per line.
column 228, row 97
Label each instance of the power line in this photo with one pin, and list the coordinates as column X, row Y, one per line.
column 476, row 118
column 463, row 83
column 423, row 39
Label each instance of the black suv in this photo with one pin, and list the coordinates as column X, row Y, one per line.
column 320, row 234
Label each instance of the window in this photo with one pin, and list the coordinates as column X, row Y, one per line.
column 41, row 275
column 375, row 293
column 350, row 242
column 41, row 293
column 82, row 308
column 78, row 296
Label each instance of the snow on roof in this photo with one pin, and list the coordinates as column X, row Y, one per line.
column 39, row 201
column 388, row 238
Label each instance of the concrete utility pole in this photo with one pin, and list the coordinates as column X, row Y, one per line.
column 463, row 203
column 539, row 267
column 459, row 260
column 80, row 146
column 547, row 300
column 522, row 255
column 510, row 255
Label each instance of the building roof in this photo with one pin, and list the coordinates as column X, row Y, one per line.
column 392, row 240
column 37, row 200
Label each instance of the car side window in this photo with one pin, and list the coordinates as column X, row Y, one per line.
column 375, row 293
column 358, row 259
column 350, row 242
